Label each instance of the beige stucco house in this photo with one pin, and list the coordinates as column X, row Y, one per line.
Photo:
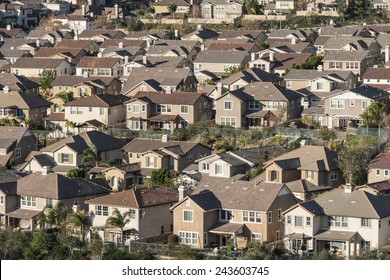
column 33, row 67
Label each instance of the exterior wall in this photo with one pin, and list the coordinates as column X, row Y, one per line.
column 139, row 88
column 26, row 145
column 235, row 112
column 115, row 71
column 154, row 219
column 348, row 110
column 373, row 177
column 164, row 9
column 362, row 67
column 217, row 67
column 32, row 167
column 229, row 10
column 75, row 159
column 111, row 155
column 384, row 232
column 226, row 172
column 11, row 202
column 63, row 69
column 198, row 152
column 116, row 115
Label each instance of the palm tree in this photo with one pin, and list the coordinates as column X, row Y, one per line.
column 70, row 125
column 80, row 220
column 27, row 122
column 118, row 220
column 172, row 7
column 91, row 156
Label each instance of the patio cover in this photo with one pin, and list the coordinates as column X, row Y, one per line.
column 335, row 235
column 226, row 228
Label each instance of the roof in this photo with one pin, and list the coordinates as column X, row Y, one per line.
column 99, row 100
column 231, row 34
column 370, row 92
column 16, row 83
column 138, row 197
column 377, row 73
column 309, row 157
column 335, row 235
column 127, row 168
column 55, row 117
column 34, row 63
column 228, row 46
column 48, row 52
column 25, row 214
column 14, row 99
column 383, row 39
column 252, row 75
column 282, row 33
column 314, row 111
column 284, row 61
column 321, row 40
column 88, row 33
column 225, row 228
column 381, row 161
column 357, row 43
column 346, row 55
column 77, row 80
column 56, row 186
column 202, row 33
column 167, row 2
column 226, row 57
column 126, row 43
column 75, row 44
column 176, row 98
column 42, row 159
column 305, row 186
column 97, row 62
column 82, row 141
column 350, row 30
column 309, row 74
column 206, row 200
column 140, row 34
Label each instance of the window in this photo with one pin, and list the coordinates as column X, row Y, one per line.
column 136, row 125
column 136, row 108
column 184, row 109
column 28, row 149
column 280, row 217
column 251, row 217
column 143, row 88
column 162, row 230
column 132, row 213
column 101, row 210
column 309, row 174
column 143, row 108
column 308, row 221
column 225, row 215
column 253, row 105
column 205, row 238
column 29, row 201
column 218, row 169
column 352, row 103
column 188, row 216
column 269, row 217
column 101, row 111
column 189, row 158
column 338, row 221
column 65, row 158
column 171, row 161
column 1, row 199
column 151, row 162
column 164, row 108
column 18, row 152
column 278, row 235
column 229, row 121
column 298, row 221
column 256, row 237
column 336, row 104
column 228, row 105
column 365, row 104
column 378, row 172
column 206, row 166
column 289, row 220
column 365, row 222
column 188, row 238
column 334, row 175
column 320, row 86
column 386, row 172
column 366, row 245
column 273, row 176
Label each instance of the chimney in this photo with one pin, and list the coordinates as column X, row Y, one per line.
column 168, row 90
column 182, row 192
column 165, row 138
column 271, row 56
column 126, row 59
column 348, row 188
column 100, row 55
column 5, row 89
column 199, row 27
column 116, row 10
column 202, row 47
column 387, row 53
column 144, row 60
column 120, row 45
column 45, row 170
column 38, row 43
column 294, row 40
column 91, row 14
column 219, row 89
column 176, row 34
column 9, row 27
column 83, row 10
column 147, row 44
column 76, row 208
column 320, row 68
column 253, row 56
column 304, row 142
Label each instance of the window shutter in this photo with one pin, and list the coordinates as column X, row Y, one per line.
column 71, row 158
column 155, row 162
column 59, row 158
column 147, row 161
column 277, row 176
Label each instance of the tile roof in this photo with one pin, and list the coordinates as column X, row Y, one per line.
column 138, row 198
column 377, row 73
column 99, row 100
column 226, row 57
column 16, row 83
column 140, row 145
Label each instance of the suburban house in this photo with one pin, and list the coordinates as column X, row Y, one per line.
column 377, row 77
column 220, row 62
column 13, row 55
column 167, row 110
column 157, row 79
column 200, row 34
column 68, row 152
column 288, row 34
column 222, row 211
column 89, row 46
column 174, row 48
column 105, row 108
column 243, row 35
column 306, row 171
column 347, row 106
column 164, row 153
column 12, row 32
column 124, row 176
column 122, row 43
column 344, row 221
column 15, row 144
column 37, row 162
column 257, row 104
column 71, row 55
column 18, row 44
column 99, row 66
column 10, row 82
column 221, row 9
column 101, row 35
column 337, row 43
column 22, row 106
column 379, row 169
column 292, row 46
column 355, row 61
column 78, row 23
column 144, row 61
column 53, row 37
column 148, row 210
column 182, row 7
column 41, row 189
column 33, row 67
column 8, row 198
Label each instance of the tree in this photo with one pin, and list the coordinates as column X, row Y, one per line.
column 374, row 114
column 162, row 177
column 172, row 7
column 27, row 122
column 38, row 248
column 151, row 10
column 46, row 23
column 252, row 7
column 91, row 156
column 76, row 173
column 65, row 96
column 46, row 79
column 70, row 125
column 81, row 221
column 101, row 21
column 118, row 220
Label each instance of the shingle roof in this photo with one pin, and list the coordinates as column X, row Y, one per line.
column 305, row 186
column 370, row 92
column 56, row 186
column 282, row 33
column 383, row 39
column 167, row 2
column 287, row 60
column 48, row 52
column 230, row 34
column 359, row 43
column 22, row 101
column 97, row 62
column 139, row 198
column 203, row 33
column 252, row 75
column 228, row 46
column 377, row 73
column 76, row 80
column 346, row 55
column 75, row 44
column 381, row 161
column 178, row 98
column 235, row 57
column 88, row 33
column 16, row 83
column 99, row 100
column 206, row 200
column 308, row 74
column 314, row 111
column 126, row 43
column 34, row 63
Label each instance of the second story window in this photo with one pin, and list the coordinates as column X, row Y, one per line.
column 184, row 109
column 251, row 217
column 253, row 105
column 309, row 174
column 228, row 105
column 1, row 199
column 132, row 213
column 365, row 104
column 188, row 216
column 28, row 201
column 225, row 215
column 151, row 162
column 336, row 104
column 334, row 175
column 338, row 221
column 101, row 210
column 218, row 169
column 18, row 152
column 365, row 222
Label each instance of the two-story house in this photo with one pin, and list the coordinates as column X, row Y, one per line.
column 33, row 67
column 174, row 48
column 162, row 7
column 257, row 104
column 156, row 154
column 106, row 108
column 15, row 144
column 167, row 110
column 379, row 169
column 8, row 198
column 347, row 106
column 336, row 43
column 344, row 221
column 99, row 66
column 41, row 189
column 306, row 171
column 124, row 176
column 243, row 35
column 221, row 211
column 377, row 77
column 221, row 9
column 148, row 210
column 11, row 82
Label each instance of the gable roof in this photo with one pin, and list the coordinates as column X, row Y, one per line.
column 97, row 62
column 126, row 43
column 167, row 2
column 377, row 73
column 37, row 63
column 381, row 161
column 286, row 60
column 175, row 98
column 250, row 34
column 202, row 33
column 99, row 100
column 311, row 74
column 252, row 75
column 369, row 92
column 88, row 33
column 77, row 80
column 358, row 43
column 346, row 55
column 16, row 83
column 14, row 99
column 282, row 33
column 75, row 44
column 226, row 57
column 138, row 198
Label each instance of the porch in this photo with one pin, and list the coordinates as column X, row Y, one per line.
column 341, row 243
column 259, row 119
column 25, row 219
column 220, row 234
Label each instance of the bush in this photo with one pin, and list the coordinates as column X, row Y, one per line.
column 173, row 239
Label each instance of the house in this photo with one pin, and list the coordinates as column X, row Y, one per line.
column 344, row 221
column 306, row 171
column 347, row 106
column 200, row 34
column 164, row 153
column 143, row 61
column 12, row 55
column 33, row 67
column 257, row 104
column 221, row 9
column 53, row 37
column 377, row 77
column 15, row 144
column 148, row 36
column 68, row 152
column 182, row 7
column 337, row 43
column 167, row 110
column 355, row 61
column 24, row 44
column 8, row 198
column 122, row 52
column 218, row 45
column 10, row 82
column 122, row 177
column 221, row 211
column 69, row 22
column 37, row 162
column 240, row 34
column 219, row 62
column 5, row 66
column 100, row 35
column 99, row 66
column 148, row 210
column 72, row 55
column 17, row 13
column 123, row 43
column 106, row 108
column 11, row 32
column 174, row 48
column 287, row 34
column 292, row 46
column 378, row 169
column 90, row 46
column 157, row 79
column 21, row 106
column 41, row 189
